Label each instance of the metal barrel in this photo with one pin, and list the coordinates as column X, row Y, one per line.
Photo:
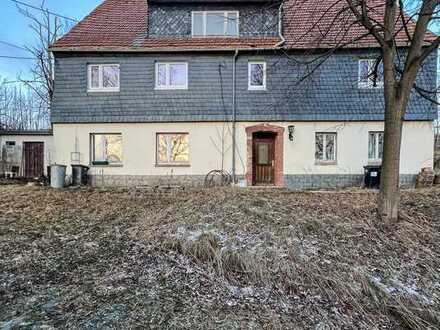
column 57, row 176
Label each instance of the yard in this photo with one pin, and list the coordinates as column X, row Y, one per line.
column 216, row 259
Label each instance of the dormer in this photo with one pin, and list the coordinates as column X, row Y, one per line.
column 212, row 18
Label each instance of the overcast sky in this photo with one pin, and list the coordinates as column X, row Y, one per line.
column 14, row 29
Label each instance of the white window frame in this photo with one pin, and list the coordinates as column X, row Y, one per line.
column 257, row 88
column 101, row 88
column 376, row 148
column 225, row 24
column 369, row 84
column 167, row 86
column 326, row 161
column 170, row 163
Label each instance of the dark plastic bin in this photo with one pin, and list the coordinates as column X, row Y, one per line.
column 80, row 175
column 372, row 176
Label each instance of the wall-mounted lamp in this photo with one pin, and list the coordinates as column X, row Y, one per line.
column 291, row 131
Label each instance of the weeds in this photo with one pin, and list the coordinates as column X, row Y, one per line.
column 223, row 258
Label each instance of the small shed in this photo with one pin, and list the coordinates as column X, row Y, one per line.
column 25, row 153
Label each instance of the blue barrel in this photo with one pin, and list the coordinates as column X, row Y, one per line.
column 57, row 176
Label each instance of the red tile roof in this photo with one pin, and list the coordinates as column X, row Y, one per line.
column 326, row 23
column 123, row 25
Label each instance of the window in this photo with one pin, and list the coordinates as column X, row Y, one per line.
column 215, row 23
column 103, row 77
column 172, row 149
column 172, row 75
column 366, row 74
column 325, row 148
column 10, row 146
column 257, row 75
column 106, row 149
column 375, row 146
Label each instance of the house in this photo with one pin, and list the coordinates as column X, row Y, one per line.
column 164, row 91
column 25, row 153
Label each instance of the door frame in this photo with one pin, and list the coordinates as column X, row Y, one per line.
column 269, row 139
column 278, row 132
column 26, row 161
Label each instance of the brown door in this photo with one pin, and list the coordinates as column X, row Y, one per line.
column 263, row 160
column 33, row 161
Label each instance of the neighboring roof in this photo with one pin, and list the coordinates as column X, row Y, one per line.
column 122, row 25
column 27, row 132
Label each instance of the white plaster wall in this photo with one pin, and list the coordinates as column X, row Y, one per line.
column 205, row 139
column 352, row 147
column 48, row 141
column 139, row 147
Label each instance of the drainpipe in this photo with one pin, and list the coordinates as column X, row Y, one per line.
column 234, row 115
column 280, row 26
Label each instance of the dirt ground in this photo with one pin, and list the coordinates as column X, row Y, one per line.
column 216, row 259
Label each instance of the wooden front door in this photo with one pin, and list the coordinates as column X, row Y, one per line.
column 264, row 160
column 33, row 162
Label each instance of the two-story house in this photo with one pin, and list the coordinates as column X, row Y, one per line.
column 164, row 91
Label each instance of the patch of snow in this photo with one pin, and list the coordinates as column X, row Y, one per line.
column 397, row 286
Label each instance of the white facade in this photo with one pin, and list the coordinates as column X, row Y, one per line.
column 19, row 139
column 206, row 144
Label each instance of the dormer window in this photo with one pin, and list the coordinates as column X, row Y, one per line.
column 215, row 23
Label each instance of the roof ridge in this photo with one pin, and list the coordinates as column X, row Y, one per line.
column 122, row 25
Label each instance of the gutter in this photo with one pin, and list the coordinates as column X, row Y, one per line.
column 280, row 26
column 234, row 115
column 152, row 50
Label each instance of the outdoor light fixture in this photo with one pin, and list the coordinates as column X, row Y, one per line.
column 291, row 131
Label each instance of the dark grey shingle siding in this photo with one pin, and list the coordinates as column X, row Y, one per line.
column 174, row 20
column 331, row 93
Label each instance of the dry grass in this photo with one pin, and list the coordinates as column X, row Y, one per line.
column 217, row 259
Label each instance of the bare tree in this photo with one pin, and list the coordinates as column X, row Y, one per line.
column 398, row 83
column 399, row 29
column 47, row 28
column 20, row 108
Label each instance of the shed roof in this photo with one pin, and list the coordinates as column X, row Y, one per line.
column 26, row 132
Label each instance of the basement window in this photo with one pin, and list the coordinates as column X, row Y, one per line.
column 325, row 148
column 367, row 77
column 172, row 149
column 172, row 75
column 215, row 23
column 106, row 149
column 375, row 146
column 10, row 143
column 103, row 78
column 257, row 76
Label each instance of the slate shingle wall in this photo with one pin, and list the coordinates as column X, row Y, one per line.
column 330, row 94
column 175, row 20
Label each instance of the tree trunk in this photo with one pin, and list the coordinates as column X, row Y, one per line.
column 389, row 198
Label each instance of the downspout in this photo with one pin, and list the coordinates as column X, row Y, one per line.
column 234, row 115
column 280, row 26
